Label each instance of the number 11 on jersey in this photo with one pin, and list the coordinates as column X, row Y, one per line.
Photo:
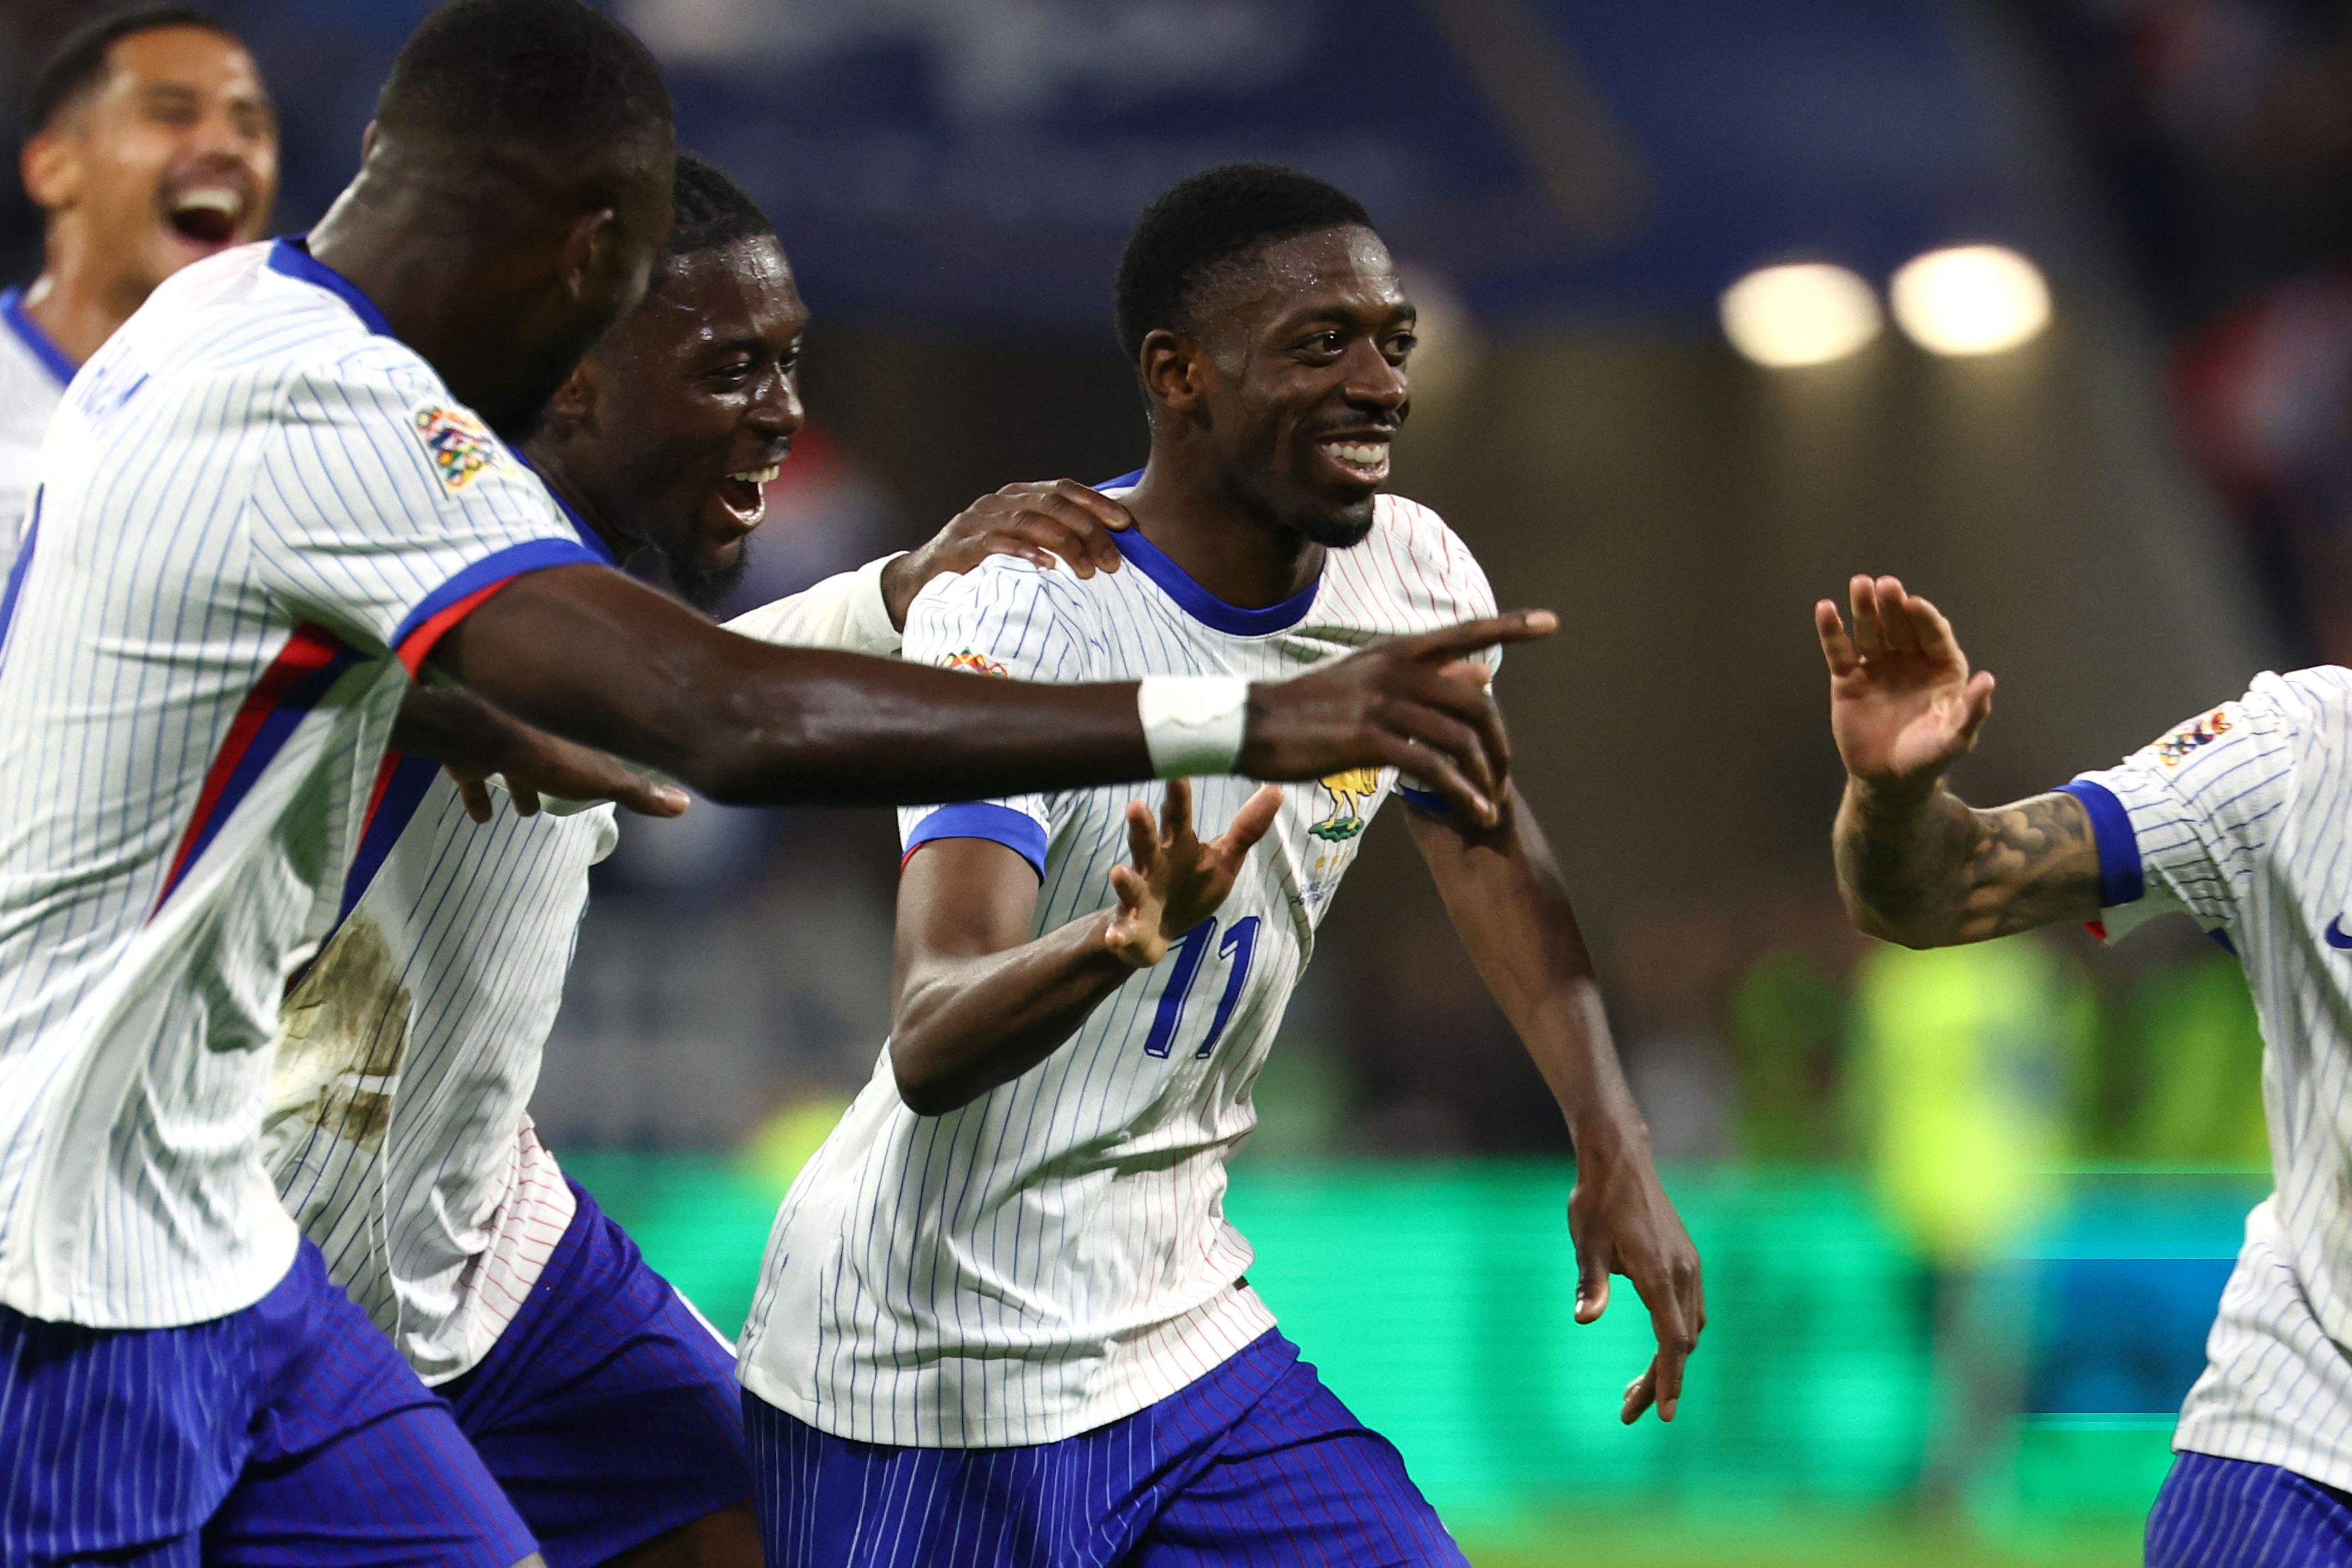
column 1184, row 969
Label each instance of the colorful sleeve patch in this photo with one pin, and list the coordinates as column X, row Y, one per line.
column 977, row 663
column 2184, row 742
column 461, row 448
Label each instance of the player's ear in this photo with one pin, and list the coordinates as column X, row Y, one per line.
column 588, row 252
column 574, row 402
column 1171, row 366
column 50, row 167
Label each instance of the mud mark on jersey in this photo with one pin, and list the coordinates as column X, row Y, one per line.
column 344, row 1033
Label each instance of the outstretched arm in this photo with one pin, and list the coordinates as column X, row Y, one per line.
column 976, row 1003
column 1916, row 864
column 592, row 656
column 1505, row 893
column 860, row 612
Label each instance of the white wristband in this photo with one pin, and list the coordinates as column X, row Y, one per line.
column 1192, row 723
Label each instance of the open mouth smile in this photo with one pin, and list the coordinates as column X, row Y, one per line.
column 206, row 214
column 1366, row 462
column 744, row 494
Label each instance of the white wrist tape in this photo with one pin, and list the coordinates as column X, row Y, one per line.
column 1192, row 723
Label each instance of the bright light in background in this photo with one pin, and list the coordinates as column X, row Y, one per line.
column 1970, row 299
column 1805, row 313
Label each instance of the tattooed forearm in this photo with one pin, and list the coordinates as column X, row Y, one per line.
column 1932, row 871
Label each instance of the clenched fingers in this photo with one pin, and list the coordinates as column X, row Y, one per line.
column 1471, row 750
column 475, row 795
column 1433, row 769
column 1066, row 519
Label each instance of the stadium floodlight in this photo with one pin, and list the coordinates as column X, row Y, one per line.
column 1799, row 313
column 1970, row 299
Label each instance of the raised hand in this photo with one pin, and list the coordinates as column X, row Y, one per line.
column 1177, row 880
column 1903, row 705
column 1403, row 704
column 1036, row 521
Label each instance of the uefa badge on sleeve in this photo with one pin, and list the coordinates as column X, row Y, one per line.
column 461, row 448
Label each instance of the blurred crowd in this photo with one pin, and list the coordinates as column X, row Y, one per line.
column 2221, row 133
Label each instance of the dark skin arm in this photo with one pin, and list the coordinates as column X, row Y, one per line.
column 1916, row 864
column 1040, row 522
column 589, row 655
column 1507, row 901
column 976, row 1003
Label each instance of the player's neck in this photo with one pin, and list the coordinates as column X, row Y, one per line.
column 78, row 301
column 422, row 266
column 547, row 457
column 1245, row 559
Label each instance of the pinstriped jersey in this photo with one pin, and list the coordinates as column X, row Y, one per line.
column 33, row 376
column 2243, row 818
column 398, row 1130
column 1055, row 1255
column 255, row 508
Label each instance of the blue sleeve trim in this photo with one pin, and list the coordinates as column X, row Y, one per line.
column 1016, row 831
column 1424, row 800
column 2121, row 880
column 532, row 554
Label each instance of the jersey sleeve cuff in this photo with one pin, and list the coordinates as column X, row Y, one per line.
column 1016, row 831
column 1428, row 802
column 466, row 593
column 869, row 629
column 2121, row 880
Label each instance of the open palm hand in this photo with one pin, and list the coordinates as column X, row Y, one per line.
column 1903, row 704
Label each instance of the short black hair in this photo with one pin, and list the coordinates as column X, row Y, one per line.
column 550, row 76
column 79, row 62
column 1215, row 216
column 712, row 211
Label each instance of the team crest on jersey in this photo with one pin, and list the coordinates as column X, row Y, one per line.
column 977, row 663
column 460, row 445
column 2183, row 743
column 1348, row 791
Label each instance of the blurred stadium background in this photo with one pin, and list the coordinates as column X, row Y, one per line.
column 1965, row 1215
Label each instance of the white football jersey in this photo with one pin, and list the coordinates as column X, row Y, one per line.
column 1055, row 1255
column 33, row 376
column 397, row 1129
column 2243, row 818
column 256, row 513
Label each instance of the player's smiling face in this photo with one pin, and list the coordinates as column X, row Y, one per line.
column 694, row 402
column 171, row 157
column 1309, row 341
